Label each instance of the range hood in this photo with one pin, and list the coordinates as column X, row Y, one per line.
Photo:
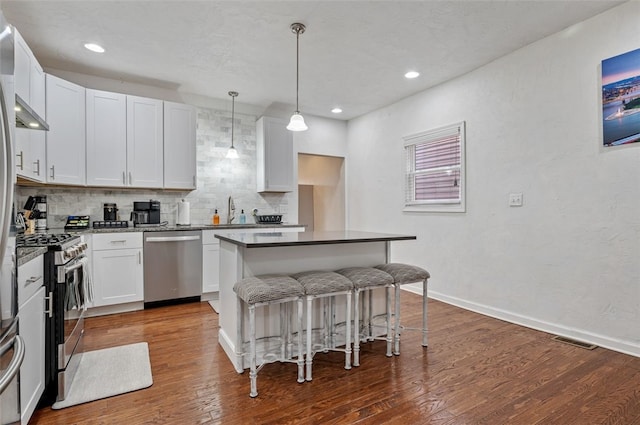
column 27, row 117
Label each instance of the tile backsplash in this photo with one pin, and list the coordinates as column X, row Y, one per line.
column 218, row 178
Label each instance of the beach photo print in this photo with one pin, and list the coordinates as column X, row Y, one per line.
column 621, row 99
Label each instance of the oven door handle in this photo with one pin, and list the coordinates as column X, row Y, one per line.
column 73, row 267
column 16, row 362
column 49, row 310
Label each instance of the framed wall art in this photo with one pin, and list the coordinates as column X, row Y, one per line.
column 621, row 99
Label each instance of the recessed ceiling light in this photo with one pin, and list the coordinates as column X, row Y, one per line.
column 94, row 47
column 412, row 74
column 336, row 110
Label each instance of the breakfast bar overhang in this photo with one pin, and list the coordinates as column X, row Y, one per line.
column 253, row 254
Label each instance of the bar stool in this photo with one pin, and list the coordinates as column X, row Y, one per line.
column 403, row 274
column 321, row 284
column 269, row 290
column 367, row 279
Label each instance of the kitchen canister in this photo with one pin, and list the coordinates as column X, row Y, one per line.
column 184, row 213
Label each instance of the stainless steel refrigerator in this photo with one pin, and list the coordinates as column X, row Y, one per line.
column 11, row 345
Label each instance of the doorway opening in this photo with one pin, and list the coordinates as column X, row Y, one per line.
column 321, row 192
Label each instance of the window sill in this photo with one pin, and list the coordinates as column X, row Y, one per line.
column 437, row 208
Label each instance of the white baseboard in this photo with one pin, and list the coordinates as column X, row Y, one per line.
column 529, row 322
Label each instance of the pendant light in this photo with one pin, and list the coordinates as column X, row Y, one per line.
column 232, row 152
column 297, row 121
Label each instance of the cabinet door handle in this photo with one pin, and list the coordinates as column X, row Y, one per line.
column 33, row 279
column 21, row 164
column 49, row 310
column 37, row 164
column 139, row 257
column 53, row 172
column 124, row 178
column 194, row 181
column 119, row 241
column 130, row 179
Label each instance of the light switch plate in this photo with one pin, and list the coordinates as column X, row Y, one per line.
column 515, row 199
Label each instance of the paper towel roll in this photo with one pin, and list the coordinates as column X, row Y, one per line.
column 184, row 213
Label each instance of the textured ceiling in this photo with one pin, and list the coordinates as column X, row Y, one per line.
column 353, row 55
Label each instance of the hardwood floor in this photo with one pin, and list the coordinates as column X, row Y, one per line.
column 477, row 370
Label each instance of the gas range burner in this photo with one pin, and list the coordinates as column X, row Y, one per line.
column 43, row 239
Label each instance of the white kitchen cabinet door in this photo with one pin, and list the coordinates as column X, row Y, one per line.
column 117, row 276
column 22, row 67
column 106, row 138
column 145, row 142
column 37, row 89
column 66, row 163
column 29, row 76
column 210, row 268
column 30, row 154
column 31, row 327
column 179, row 146
column 274, row 151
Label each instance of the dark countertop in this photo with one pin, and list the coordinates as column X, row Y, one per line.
column 173, row 228
column 24, row 255
column 264, row 240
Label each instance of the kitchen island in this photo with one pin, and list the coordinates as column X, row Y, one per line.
column 252, row 254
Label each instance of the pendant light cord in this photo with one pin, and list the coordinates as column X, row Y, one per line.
column 233, row 95
column 233, row 113
column 297, row 68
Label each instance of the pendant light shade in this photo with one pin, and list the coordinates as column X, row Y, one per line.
column 297, row 121
column 232, row 152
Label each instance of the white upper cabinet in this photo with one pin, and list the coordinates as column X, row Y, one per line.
column 106, row 138
column 29, row 77
column 65, row 113
column 124, row 140
column 274, row 151
column 31, row 154
column 179, row 146
column 145, row 142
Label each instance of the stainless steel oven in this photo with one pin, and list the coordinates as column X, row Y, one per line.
column 67, row 283
column 73, row 292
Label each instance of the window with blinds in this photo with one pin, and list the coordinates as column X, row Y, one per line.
column 435, row 170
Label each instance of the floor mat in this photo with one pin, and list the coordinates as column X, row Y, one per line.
column 108, row 372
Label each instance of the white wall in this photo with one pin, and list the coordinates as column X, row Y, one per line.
column 568, row 261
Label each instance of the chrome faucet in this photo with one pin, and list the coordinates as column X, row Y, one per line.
column 231, row 212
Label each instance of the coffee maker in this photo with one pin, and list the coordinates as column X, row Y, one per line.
column 146, row 212
column 110, row 211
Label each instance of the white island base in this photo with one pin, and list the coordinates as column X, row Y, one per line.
column 243, row 255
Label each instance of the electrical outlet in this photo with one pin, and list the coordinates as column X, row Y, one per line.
column 515, row 199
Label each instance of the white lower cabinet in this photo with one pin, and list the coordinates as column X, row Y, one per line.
column 31, row 327
column 118, row 275
column 211, row 253
column 210, row 268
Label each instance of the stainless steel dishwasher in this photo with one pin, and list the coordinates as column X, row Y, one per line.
column 172, row 267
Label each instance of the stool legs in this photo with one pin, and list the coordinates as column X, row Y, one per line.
column 347, row 342
column 397, row 318
column 253, row 372
column 300, row 346
column 387, row 291
column 309, row 332
column 424, row 313
column 396, row 334
column 356, row 328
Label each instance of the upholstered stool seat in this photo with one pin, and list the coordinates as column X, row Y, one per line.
column 363, row 279
column 322, row 284
column 403, row 274
column 268, row 290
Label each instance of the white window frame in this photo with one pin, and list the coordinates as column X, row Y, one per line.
column 434, row 205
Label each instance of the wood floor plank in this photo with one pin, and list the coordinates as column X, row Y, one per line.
column 476, row 370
